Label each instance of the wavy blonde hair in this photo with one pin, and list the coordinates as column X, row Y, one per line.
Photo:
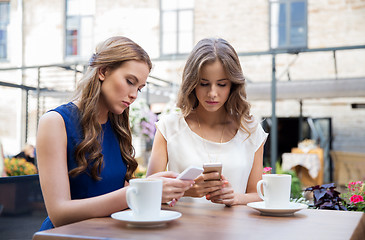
column 109, row 55
column 207, row 51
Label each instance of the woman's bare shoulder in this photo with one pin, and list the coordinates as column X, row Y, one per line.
column 51, row 118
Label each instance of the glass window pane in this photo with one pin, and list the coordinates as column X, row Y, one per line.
column 186, row 21
column 87, row 7
column 4, row 21
column 169, row 4
column 298, row 11
column 73, row 7
column 169, row 22
column 80, row 7
column 185, row 42
column 72, row 23
column 86, row 43
column 297, row 36
column 278, row 14
column 3, row 41
column 184, row 4
column 86, row 27
column 79, row 27
column 274, row 36
column 288, row 29
column 4, row 13
column 282, row 13
column 282, row 35
column 71, row 42
column 169, row 43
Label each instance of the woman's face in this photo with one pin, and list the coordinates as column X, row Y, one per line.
column 120, row 87
column 213, row 88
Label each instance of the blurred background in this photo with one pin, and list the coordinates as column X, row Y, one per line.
column 304, row 62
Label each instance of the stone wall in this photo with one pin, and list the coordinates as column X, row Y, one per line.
column 243, row 23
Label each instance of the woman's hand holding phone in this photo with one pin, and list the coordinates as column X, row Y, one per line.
column 209, row 181
column 172, row 188
column 225, row 195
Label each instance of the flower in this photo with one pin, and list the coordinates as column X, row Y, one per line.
column 142, row 119
column 354, row 197
column 18, row 167
column 267, row 170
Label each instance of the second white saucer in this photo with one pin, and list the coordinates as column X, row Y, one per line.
column 165, row 216
column 290, row 210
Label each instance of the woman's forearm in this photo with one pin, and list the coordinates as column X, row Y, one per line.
column 244, row 198
column 70, row 211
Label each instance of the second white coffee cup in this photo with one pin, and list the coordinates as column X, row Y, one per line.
column 276, row 190
column 144, row 198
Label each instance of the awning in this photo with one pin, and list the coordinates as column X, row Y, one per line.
column 331, row 88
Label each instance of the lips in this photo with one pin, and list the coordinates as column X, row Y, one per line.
column 126, row 103
column 211, row 102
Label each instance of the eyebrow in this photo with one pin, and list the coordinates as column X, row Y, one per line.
column 134, row 77
column 223, row 79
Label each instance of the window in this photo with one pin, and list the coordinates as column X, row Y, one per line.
column 79, row 27
column 288, row 23
column 177, row 20
column 4, row 21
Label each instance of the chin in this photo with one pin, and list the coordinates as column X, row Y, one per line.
column 118, row 110
column 212, row 108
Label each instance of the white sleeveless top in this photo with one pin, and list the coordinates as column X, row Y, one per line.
column 186, row 148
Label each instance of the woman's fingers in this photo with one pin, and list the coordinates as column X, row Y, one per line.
column 211, row 176
column 174, row 188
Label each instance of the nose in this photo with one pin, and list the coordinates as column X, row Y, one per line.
column 212, row 92
column 133, row 94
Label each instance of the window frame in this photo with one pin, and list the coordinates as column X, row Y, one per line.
column 79, row 18
column 4, row 26
column 177, row 11
column 288, row 44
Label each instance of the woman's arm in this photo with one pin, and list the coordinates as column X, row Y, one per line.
column 53, row 174
column 172, row 187
column 229, row 197
column 158, row 159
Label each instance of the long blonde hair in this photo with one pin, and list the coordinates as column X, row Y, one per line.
column 109, row 55
column 207, row 51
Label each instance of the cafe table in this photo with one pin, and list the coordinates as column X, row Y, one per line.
column 212, row 221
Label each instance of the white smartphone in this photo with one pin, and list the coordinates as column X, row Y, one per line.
column 213, row 167
column 190, row 173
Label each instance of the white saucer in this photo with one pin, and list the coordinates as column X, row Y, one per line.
column 127, row 216
column 290, row 210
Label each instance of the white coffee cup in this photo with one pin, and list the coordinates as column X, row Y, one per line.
column 144, row 198
column 276, row 190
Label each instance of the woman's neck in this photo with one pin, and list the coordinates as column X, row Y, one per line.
column 102, row 113
column 211, row 118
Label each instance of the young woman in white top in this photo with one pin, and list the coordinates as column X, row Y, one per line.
column 214, row 125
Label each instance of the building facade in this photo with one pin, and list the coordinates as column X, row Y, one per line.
column 55, row 39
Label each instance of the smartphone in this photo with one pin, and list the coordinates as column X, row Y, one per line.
column 190, row 173
column 213, row 167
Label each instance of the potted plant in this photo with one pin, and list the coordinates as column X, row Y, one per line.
column 354, row 198
column 21, row 186
column 326, row 197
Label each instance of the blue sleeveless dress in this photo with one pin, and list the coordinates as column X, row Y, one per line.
column 114, row 167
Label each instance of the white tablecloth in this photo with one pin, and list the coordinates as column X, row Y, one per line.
column 309, row 160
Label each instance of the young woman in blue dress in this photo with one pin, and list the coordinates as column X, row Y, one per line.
column 84, row 148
